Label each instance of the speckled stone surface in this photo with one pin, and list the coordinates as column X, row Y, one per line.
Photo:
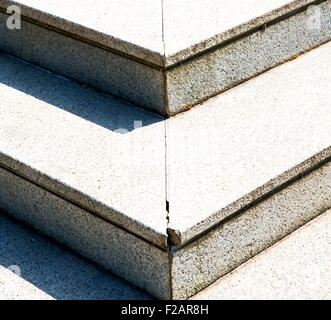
column 93, row 165
column 239, row 146
column 116, row 250
column 245, row 235
column 222, row 69
column 130, row 27
column 50, row 270
column 146, row 28
column 136, row 51
column 99, row 182
column 192, row 27
column 295, row 268
column 86, row 63
column 255, row 223
column 87, row 147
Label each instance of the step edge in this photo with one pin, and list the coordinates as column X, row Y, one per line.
column 84, row 201
column 81, row 33
column 180, row 239
column 220, row 39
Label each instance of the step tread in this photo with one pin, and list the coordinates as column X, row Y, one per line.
column 13, row 287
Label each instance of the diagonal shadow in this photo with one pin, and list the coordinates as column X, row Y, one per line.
column 98, row 107
column 58, row 271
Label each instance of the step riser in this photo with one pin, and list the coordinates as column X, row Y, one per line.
column 217, row 71
column 189, row 269
column 100, row 68
column 114, row 249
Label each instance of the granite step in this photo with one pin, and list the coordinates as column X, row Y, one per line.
column 171, row 205
column 163, row 55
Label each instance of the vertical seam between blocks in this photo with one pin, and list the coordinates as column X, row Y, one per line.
column 166, row 112
column 165, row 122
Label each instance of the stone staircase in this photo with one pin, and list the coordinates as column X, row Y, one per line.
column 174, row 199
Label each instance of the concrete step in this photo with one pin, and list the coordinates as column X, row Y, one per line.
column 160, row 54
column 34, row 267
column 170, row 205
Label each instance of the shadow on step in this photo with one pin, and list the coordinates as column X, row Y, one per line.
column 97, row 107
column 58, row 271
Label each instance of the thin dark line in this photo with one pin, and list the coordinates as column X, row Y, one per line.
column 167, row 204
column 166, row 112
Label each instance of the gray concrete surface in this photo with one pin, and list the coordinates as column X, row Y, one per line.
column 85, row 62
column 193, row 267
column 139, row 29
column 142, row 30
column 93, row 164
column 297, row 267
